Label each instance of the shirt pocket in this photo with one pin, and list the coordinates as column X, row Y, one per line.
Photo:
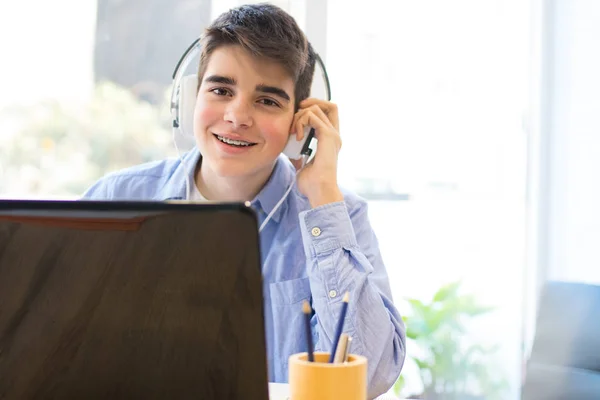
column 290, row 292
column 288, row 330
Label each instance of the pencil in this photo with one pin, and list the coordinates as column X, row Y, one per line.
column 348, row 344
column 340, row 326
column 306, row 310
column 340, row 353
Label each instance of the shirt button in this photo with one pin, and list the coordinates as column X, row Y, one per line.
column 332, row 293
column 315, row 231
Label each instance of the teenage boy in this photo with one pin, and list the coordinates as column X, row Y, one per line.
column 255, row 73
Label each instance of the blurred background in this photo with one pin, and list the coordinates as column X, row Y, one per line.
column 471, row 126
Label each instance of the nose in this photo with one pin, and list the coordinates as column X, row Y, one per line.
column 239, row 113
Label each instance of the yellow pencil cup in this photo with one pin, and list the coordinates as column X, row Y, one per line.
column 320, row 380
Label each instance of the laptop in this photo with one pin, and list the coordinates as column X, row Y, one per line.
column 127, row 300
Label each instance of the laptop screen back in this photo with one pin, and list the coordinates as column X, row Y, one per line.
column 125, row 300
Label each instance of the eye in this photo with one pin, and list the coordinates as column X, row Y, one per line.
column 269, row 102
column 220, row 91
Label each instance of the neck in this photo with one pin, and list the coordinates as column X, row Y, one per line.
column 216, row 187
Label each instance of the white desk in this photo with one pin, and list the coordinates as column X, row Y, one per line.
column 281, row 391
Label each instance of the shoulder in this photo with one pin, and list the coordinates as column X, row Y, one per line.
column 139, row 182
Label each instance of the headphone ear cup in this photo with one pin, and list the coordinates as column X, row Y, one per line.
column 187, row 103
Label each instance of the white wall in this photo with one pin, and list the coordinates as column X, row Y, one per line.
column 573, row 134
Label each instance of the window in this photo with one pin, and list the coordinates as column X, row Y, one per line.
column 432, row 94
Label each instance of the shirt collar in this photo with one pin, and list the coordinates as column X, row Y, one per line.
column 281, row 178
column 276, row 186
column 175, row 188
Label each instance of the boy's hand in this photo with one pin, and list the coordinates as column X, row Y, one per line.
column 318, row 180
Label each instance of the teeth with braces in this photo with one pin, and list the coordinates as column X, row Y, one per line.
column 233, row 142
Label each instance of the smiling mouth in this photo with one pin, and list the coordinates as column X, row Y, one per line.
column 235, row 143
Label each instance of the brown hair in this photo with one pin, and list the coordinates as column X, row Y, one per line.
column 266, row 31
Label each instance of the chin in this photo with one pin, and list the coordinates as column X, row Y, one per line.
column 231, row 168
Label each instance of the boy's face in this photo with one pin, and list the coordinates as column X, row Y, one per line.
column 243, row 114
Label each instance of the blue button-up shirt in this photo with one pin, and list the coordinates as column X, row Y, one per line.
column 307, row 254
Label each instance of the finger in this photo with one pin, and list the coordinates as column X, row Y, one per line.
column 321, row 114
column 299, row 128
column 330, row 109
column 312, row 101
column 302, row 123
column 309, row 118
column 294, row 127
column 301, row 116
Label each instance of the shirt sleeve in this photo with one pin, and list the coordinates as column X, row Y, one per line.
column 343, row 255
column 100, row 190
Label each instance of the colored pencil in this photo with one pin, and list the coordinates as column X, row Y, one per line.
column 340, row 353
column 309, row 343
column 340, row 326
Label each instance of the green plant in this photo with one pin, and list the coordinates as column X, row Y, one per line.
column 61, row 149
column 449, row 366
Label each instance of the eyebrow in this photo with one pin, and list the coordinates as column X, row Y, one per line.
column 226, row 80
column 220, row 79
column 273, row 90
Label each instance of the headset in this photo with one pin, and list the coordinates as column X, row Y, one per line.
column 183, row 102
